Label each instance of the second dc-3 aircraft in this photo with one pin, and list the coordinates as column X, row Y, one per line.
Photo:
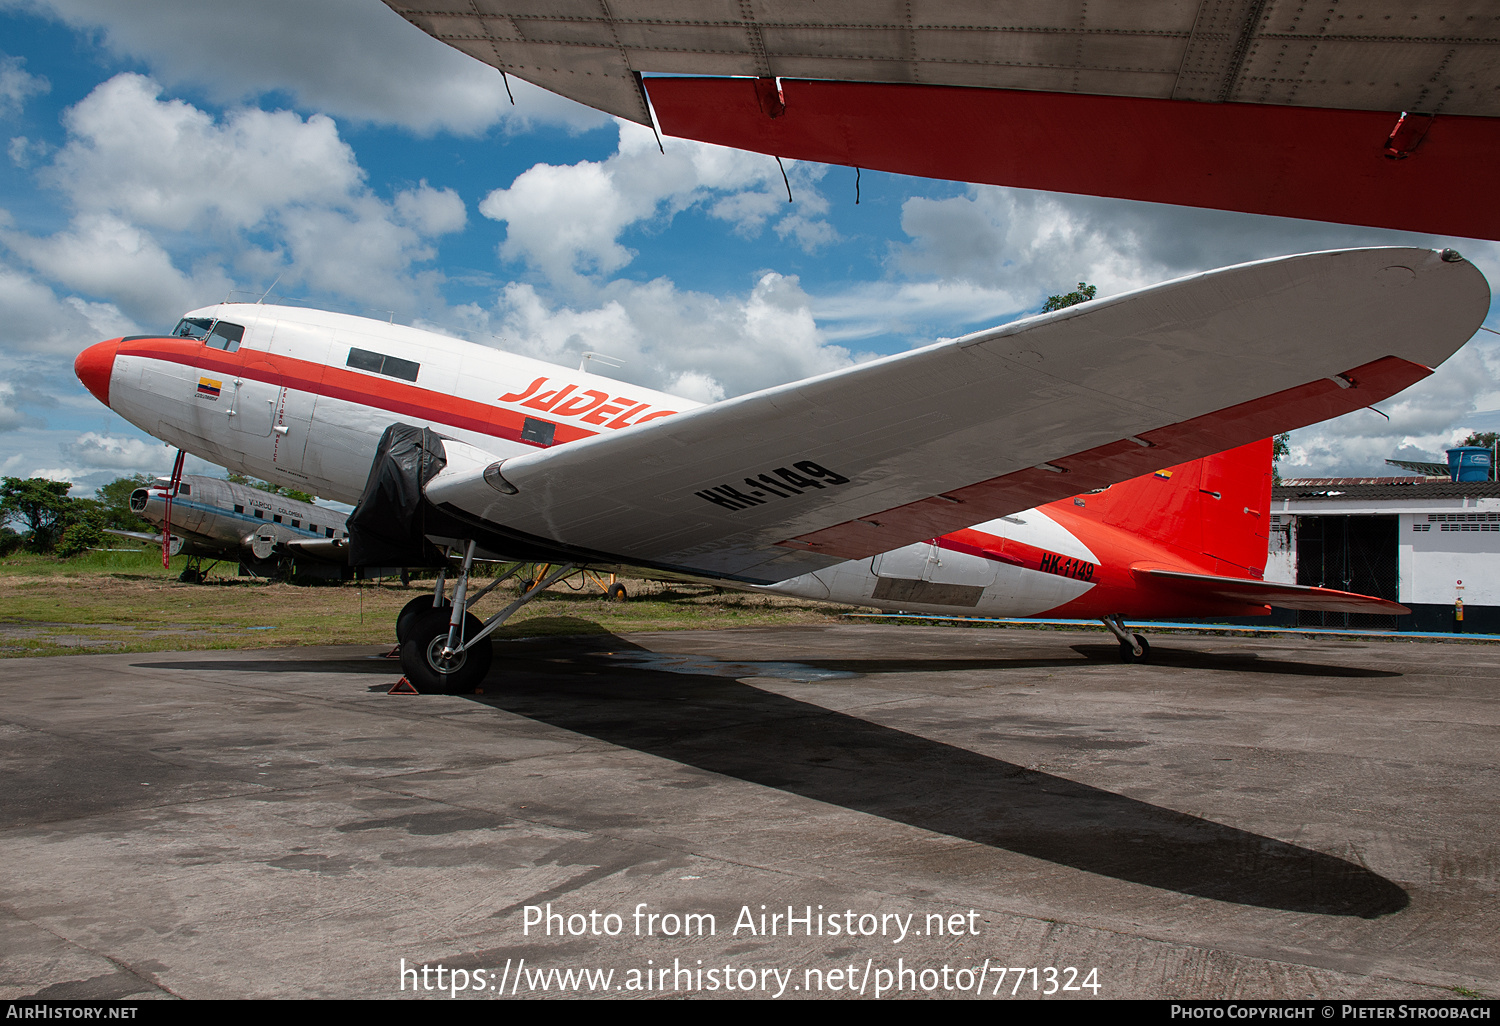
column 978, row 475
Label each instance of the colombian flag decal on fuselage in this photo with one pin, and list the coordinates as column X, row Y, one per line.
column 208, row 388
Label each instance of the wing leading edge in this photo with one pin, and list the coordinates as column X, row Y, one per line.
column 780, row 482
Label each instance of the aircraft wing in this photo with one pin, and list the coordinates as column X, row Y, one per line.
column 1364, row 111
column 780, row 482
column 1287, row 596
column 135, row 535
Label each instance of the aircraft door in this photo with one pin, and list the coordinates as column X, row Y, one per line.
column 292, row 423
column 255, row 401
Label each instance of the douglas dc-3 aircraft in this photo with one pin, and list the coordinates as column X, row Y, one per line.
column 210, row 518
column 919, row 481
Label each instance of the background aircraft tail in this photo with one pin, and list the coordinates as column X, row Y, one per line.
column 1212, row 513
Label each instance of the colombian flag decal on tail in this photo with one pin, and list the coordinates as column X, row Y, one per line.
column 1165, row 475
column 208, row 388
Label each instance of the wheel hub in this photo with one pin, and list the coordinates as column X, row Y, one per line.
column 443, row 659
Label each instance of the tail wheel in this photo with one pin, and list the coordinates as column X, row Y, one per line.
column 423, row 662
column 414, row 609
column 1127, row 652
column 616, row 593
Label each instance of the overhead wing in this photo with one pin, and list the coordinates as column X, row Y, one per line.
column 784, row 481
column 1287, row 596
column 1366, row 111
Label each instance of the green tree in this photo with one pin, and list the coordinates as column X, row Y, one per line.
column 86, row 520
column 1484, row 438
column 1281, row 447
column 39, row 506
column 1083, row 294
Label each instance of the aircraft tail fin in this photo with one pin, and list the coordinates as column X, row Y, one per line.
column 1212, row 512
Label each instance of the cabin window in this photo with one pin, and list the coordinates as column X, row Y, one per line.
column 184, row 489
column 363, row 359
column 260, row 514
column 296, row 523
column 239, row 508
column 277, row 518
column 328, row 531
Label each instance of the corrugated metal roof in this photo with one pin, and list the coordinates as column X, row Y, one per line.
column 1394, row 492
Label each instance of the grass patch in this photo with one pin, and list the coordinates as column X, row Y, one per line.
column 126, row 602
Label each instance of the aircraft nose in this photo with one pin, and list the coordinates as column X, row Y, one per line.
column 94, row 367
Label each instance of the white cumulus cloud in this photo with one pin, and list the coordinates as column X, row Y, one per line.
column 350, row 58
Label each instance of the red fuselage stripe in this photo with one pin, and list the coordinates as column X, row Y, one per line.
column 349, row 386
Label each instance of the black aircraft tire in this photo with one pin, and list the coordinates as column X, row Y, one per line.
column 413, row 609
column 419, row 656
column 1127, row 652
column 616, row 593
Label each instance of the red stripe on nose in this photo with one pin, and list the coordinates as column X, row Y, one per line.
column 94, row 367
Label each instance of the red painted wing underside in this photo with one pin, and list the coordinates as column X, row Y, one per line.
column 1308, row 162
column 1177, row 443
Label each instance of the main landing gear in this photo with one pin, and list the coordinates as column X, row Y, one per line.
column 445, row 649
column 1133, row 647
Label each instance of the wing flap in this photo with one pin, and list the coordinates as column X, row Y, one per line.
column 1269, row 593
column 977, row 427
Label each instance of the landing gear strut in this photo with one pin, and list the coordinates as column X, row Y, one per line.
column 446, row 649
column 1133, row 647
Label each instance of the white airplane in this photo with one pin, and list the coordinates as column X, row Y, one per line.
column 918, row 481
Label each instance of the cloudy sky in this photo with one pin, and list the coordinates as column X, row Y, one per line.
column 166, row 154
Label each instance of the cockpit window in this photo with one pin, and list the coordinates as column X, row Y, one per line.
column 193, row 327
column 218, row 334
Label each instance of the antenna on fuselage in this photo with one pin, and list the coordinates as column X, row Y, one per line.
column 609, row 362
column 266, row 293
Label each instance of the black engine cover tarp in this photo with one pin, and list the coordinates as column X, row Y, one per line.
column 389, row 525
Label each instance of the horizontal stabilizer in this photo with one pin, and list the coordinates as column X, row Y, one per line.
column 1266, row 593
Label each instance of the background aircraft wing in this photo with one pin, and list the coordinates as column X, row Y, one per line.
column 780, row 482
column 135, row 535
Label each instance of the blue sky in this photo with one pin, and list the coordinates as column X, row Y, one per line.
column 161, row 153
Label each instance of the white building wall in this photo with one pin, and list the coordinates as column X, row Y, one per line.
column 1446, row 549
